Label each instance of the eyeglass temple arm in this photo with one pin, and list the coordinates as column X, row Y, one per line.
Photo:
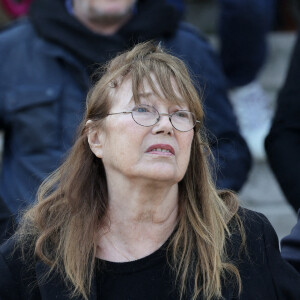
column 122, row 112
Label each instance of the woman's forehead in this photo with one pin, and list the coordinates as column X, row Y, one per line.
column 122, row 94
column 148, row 91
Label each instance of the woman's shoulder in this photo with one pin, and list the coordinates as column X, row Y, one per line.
column 255, row 222
column 261, row 266
column 250, row 221
column 257, row 229
column 251, row 215
column 253, row 241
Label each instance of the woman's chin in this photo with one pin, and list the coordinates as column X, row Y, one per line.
column 166, row 171
column 159, row 174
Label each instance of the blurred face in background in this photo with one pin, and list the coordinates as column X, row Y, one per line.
column 105, row 12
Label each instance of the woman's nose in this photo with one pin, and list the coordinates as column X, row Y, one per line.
column 164, row 124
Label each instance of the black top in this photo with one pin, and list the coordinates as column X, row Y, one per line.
column 264, row 274
column 146, row 278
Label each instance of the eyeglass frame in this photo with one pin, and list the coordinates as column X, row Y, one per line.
column 159, row 115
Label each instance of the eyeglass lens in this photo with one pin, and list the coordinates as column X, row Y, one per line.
column 148, row 116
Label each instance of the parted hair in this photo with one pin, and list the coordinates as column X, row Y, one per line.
column 72, row 202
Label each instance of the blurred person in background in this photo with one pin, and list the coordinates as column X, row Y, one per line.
column 15, row 9
column 283, row 149
column 290, row 246
column 6, row 222
column 48, row 62
column 133, row 212
column 242, row 30
column 283, row 141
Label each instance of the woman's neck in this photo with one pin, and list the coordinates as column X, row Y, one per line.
column 141, row 218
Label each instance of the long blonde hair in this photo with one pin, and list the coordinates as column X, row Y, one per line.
column 72, row 202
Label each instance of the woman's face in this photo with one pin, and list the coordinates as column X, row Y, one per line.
column 159, row 153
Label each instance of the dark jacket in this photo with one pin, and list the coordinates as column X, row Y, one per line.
column 283, row 141
column 290, row 246
column 264, row 274
column 243, row 29
column 44, row 77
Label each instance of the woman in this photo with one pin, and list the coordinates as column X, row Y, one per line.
column 133, row 212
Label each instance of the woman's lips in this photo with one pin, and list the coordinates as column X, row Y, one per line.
column 163, row 149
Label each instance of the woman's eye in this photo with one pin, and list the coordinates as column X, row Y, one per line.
column 143, row 109
column 182, row 114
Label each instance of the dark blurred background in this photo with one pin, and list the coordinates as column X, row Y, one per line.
column 202, row 13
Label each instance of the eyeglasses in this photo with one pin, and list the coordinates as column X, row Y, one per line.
column 146, row 115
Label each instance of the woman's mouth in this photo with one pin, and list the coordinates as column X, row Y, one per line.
column 164, row 149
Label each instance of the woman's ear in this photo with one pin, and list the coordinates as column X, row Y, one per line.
column 95, row 139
